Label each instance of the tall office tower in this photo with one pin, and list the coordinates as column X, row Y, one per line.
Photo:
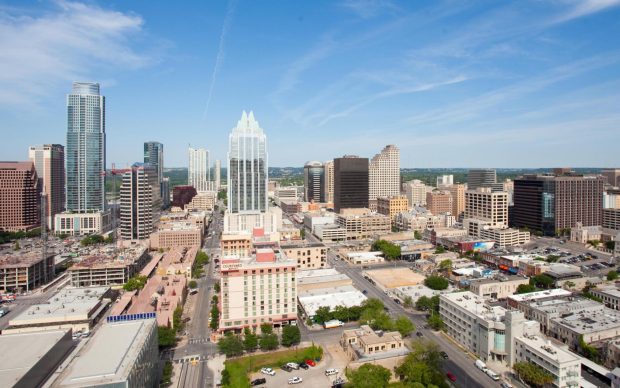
column 165, row 193
column 49, row 161
column 247, row 167
column 384, row 175
column 19, row 196
column 481, row 177
column 137, row 206
column 350, row 183
column 218, row 175
column 415, row 191
column 438, row 201
column 85, row 151
column 314, row 182
column 487, row 205
column 612, row 175
column 551, row 203
column 198, row 172
column 329, row 181
column 445, row 180
column 458, row 199
column 154, row 155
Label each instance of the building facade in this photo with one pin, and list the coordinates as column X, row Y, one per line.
column 19, row 196
column 154, row 156
column 218, row 175
column 612, row 176
column 329, row 181
column 308, row 255
column 49, row 161
column 384, row 175
column 350, row 183
column 86, row 149
column 362, row 224
column 486, row 205
column 392, row 206
column 416, row 192
column 81, row 224
column 314, row 182
column 438, row 202
column 458, row 199
column 481, row 177
column 137, row 206
column 198, row 172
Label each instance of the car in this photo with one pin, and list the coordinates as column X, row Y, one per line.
column 292, row 365
column 331, row 371
column 364, row 292
column 505, row 385
column 451, row 376
column 286, row 368
column 397, row 301
column 303, row 365
column 260, row 381
column 295, row 380
column 310, row 362
column 444, row 355
column 419, row 334
column 268, row 371
column 387, row 310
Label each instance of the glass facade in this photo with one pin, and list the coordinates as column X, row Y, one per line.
column 85, row 152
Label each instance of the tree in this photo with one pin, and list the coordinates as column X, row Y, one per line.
column 417, row 235
column 422, row 366
column 135, row 283
column 390, row 251
column 588, row 350
column 370, row 376
column 612, row 275
column 423, row 303
column 290, row 335
column 373, row 304
column 533, row 374
column 302, row 233
column 266, row 328
column 525, row 289
column 268, row 342
column 408, row 302
column 594, row 243
column 435, row 282
column 230, row 345
column 16, row 247
column 216, row 287
column 610, row 245
column 167, row 337
column 192, row 284
column 435, row 322
column 322, row 315
column 445, row 265
column 250, row 340
column 542, row 281
column 404, row 326
column 166, row 378
column 215, row 316
column 440, row 249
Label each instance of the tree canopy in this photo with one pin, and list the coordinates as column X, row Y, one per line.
column 422, row 365
column 525, row 289
column 290, row 335
column 435, row 282
column 542, row 281
column 612, row 275
column 268, row 342
column 533, row 374
column 390, row 251
column 230, row 345
column 404, row 325
column 370, row 376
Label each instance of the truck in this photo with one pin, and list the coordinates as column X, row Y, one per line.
column 492, row 374
column 481, row 365
column 332, row 324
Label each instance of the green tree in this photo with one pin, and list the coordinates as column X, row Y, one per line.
column 422, row 365
column 290, row 335
column 166, row 378
column 435, row 282
column 532, row 374
column 322, row 315
column 423, row 303
column 215, row 316
column 542, row 281
column 594, row 243
column 417, row 235
column 370, row 376
column 266, row 328
column 569, row 285
column 216, row 287
column 192, row 284
column 390, row 251
column 302, row 233
column 167, row 337
column 445, row 265
column 230, row 345
column 268, row 342
column 16, row 247
column 610, row 245
column 525, row 289
column 440, row 249
column 250, row 340
column 589, row 351
column 404, row 325
column 408, row 302
column 612, row 275
column 373, row 304
column 135, row 283
column 435, row 322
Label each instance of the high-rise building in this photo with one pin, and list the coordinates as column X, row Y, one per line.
column 416, row 192
column 198, row 172
column 314, row 182
column 458, row 198
column 137, row 206
column 551, row 203
column 481, row 177
column 445, row 180
column 19, row 196
column 218, row 175
column 329, row 181
column 487, row 205
column 85, row 151
column 247, row 167
column 438, row 202
column 384, row 175
column 612, row 175
column 350, row 183
column 154, row 156
column 49, row 161
column 183, row 195
column 165, row 193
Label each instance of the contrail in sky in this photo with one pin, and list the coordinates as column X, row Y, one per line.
column 220, row 52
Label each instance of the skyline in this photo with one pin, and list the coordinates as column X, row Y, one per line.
column 431, row 78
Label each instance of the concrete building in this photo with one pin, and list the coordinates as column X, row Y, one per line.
column 25, row 270
column 313, row 299
column 183, row 195
column 458, row 199
column 415, row 191
column 218, row 172
column 139, row 202
column 612, row 176
column 108, row 269
column 199, row 169
column 415, row 292
column 392, row 206
column 361, row 223
column 288, row 193
column 49, row 162
column 204, row 201
column 311, row 279
column 611, row 199
column 78, row 309
column 120, row 354
column 439, row 201
column 154, row 156
column 313, row 219
column 593, row 324
column 384, row 175
column 308, row 255
column 519, row 301
column 330, row 232
column 30, row 358
column 497, row 288
column 420, row 219
column 236, row 244
column 314, row 182
column 329, row 181
column 366, row 344
column 20, row 190
column 270, row 221
column 257, row 289
column 177, row 234
column 86, row 149
column 549, row 203
column 611, row 219
column 481, row 177
column 583, row 234
column 81, row 224
column 351, row 183
column 486, row 205
column 609, row 295
column 365, row 258
column 445, row 180
column 505, row 237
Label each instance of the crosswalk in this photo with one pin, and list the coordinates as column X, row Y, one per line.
column 193, row 358
column 199, row 340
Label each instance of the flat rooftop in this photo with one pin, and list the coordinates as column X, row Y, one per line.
column 548, row 350
column 396, row 277
column 610, row 291
column 22, row 351
column 590, row 320
column 347, row 296
column 109, row 354
column 475, row 304
column 503, row 279
column 21, row 258
column 314, row 276
column 302, row 244
column 553, row 293
column 110, row 259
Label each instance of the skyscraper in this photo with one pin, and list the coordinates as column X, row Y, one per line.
column 384, row 175
column 247, row 167
column 481, row 177
column 19, row 196
column 49, row 161
column 350, row 183
column 137, row 201
column 314, row 182
column 198, row 173
column 218, row 173
column 154, row 155
column 329, row 181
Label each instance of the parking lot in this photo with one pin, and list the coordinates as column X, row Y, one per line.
column 591, row 262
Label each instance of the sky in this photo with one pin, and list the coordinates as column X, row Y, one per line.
column 451, row 83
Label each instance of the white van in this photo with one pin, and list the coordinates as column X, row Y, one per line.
column 481, row 365
column 492, row 374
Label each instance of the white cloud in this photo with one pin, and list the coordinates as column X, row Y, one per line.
column 42, row 51
column 581, row 8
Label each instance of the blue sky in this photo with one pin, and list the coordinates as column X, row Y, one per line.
column 452, row 83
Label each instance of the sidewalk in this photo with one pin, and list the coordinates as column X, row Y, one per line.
column 216, row 365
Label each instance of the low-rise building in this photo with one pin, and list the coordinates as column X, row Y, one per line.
column 81, row 224
column 392, row 206
column 365, row 344
column 594, row 324
column 204, row 200
column 313, row 299
column 514, row 301
column 24, row 270
column 415, row 292
column 583, row 234
column 236, row 244
column 365, row 258
column 308, row 255
column 330, row 232
column 108, row 269
column 311, row 279
column 609, row 295
column 177, row 234
column 505, row 237
column 362, row 224
column 497, row 288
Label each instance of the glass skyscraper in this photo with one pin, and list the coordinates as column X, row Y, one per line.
column 154, row 155
column 85, row 151
column 247, row 167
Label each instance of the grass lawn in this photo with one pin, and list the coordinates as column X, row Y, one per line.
column 238, row 369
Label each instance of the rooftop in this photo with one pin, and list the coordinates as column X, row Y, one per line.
column 590, row 320
column 553, row 293
column 314, row 276
column 610, row 291
column 21, row 258
column 548, row 350
column 502, row 279
column 108, row 258
column 475, row 304
column 347, row 296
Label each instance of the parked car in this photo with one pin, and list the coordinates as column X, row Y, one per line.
column 292, row 365
column 260, row 381
column 364, row 292
column 303, row 365
column 268, row 371
column 444, row 355
column 295, row 380
column 451, row 376
column 286, row 368
column 331, row 371
column 310, row 362
column 418, row 334
column 506, row 385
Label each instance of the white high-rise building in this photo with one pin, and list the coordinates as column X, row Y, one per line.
column 217, row 173
column 329, row 181
column 416, row 192
column 198, row 173
column 247, row 167
column 445, row 180
column 384, row 175
column 139, row 192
